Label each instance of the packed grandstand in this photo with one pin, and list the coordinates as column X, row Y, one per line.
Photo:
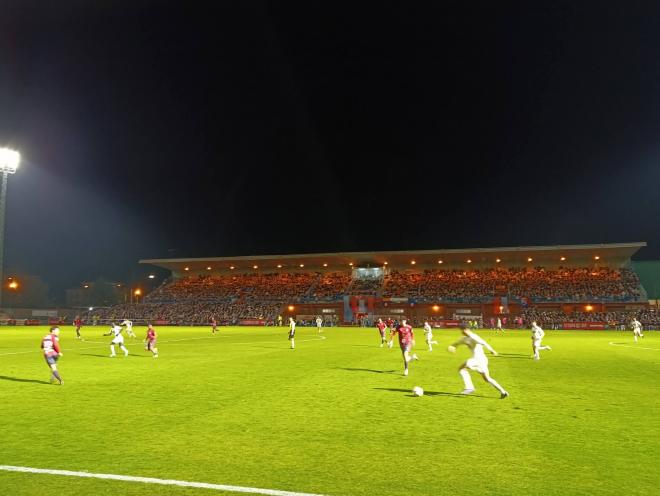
column 555, row 291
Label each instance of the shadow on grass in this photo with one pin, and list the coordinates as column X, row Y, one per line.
column 373, row 371
column 17, row 379
column 118, row 356
column 434, row 393
column 514, row 355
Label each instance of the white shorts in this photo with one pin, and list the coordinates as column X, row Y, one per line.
column 480, row 366
column 429, row 338
column 118, row 340
column 536, row 343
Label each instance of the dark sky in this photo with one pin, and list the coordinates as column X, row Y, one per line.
column 172, row 129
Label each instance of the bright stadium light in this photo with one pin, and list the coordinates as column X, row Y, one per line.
column 151, row 276
column 9, row 162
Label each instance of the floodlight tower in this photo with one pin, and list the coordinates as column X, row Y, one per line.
column 9, row 161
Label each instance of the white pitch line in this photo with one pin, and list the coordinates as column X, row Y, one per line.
column 633, row 346
column 152, row 480
column 100, row 343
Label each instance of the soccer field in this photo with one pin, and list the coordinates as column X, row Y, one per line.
column 335, row 416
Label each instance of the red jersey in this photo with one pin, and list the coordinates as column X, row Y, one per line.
column 381, row 326
column 405, row 334
column 77, row 323
column 151, row 335
column 50, row 344
column 390, row 324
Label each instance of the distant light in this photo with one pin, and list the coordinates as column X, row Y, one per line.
column 529, row 259
column 325, row 265
column 13, row 285
column 291, row 308
column 588, row 308
column 232, row 267
column 469, row 260
column 497, row 260
column 412, row 262
column 302, row 265
column 596, row 257
column 562, row 258
column 151, row 276
column 86, row 286
column 186, row 268
column 440, row 261
column 119, row 285
column 436, row 308
column 351, row 264
column 384, row 263
column 208, row 268
column 91, row 308
column 255, row 266
column 137, row 292
column 9, row 160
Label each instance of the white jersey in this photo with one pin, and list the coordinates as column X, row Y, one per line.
column 428, row 331
column 537, row 333
column 117, row 338
column 499, row 323
column 319, row 322
column 478, row 362
column 128, row 324
column 636, row 325
column 292, row 325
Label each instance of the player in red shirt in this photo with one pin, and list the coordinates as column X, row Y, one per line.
column 381, row 330
column 214, row 325
column 406, row 342
column 150, row 341
column 52, row 352
column 78, row 323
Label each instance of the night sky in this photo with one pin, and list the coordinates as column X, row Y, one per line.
column 189, row 129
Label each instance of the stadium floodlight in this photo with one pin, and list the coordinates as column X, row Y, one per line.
column 9, row 162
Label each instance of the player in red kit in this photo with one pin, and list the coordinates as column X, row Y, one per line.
column 150, row 341
column 406, row 342
column 78, row 323
column 391, row 325
column 52, row 352
column 381, row 330
column 214, row 325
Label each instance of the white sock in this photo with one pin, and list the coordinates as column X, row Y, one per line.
column 495, row 384
column 467, row 380
column 112, row 349
column 124, row 349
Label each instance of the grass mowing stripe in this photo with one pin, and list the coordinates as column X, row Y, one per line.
column 152, row 480
column 632, row 346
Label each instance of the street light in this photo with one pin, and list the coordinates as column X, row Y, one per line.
column 9, row 161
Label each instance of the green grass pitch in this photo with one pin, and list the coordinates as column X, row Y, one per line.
column 335, row 416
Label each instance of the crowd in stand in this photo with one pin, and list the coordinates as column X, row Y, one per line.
column 553, row 319
column 536, row 285
column 196, row 299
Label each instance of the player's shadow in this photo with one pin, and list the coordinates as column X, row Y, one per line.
column 18, row 379
column 373, row 371
column 118, row 356
column 514, row 355
column 432, row 393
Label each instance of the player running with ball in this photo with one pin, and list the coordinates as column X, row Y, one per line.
column 406, row 342
column 478, row 362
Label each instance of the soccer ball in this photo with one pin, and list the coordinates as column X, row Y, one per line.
column 418, row 391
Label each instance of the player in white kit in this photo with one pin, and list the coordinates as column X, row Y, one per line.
column 428, row 333
column 537, row 336
column 292, row 332
column 129, row 327
column 319, row 324
column 478, row 362
column 115, row 331
column 637, row 328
